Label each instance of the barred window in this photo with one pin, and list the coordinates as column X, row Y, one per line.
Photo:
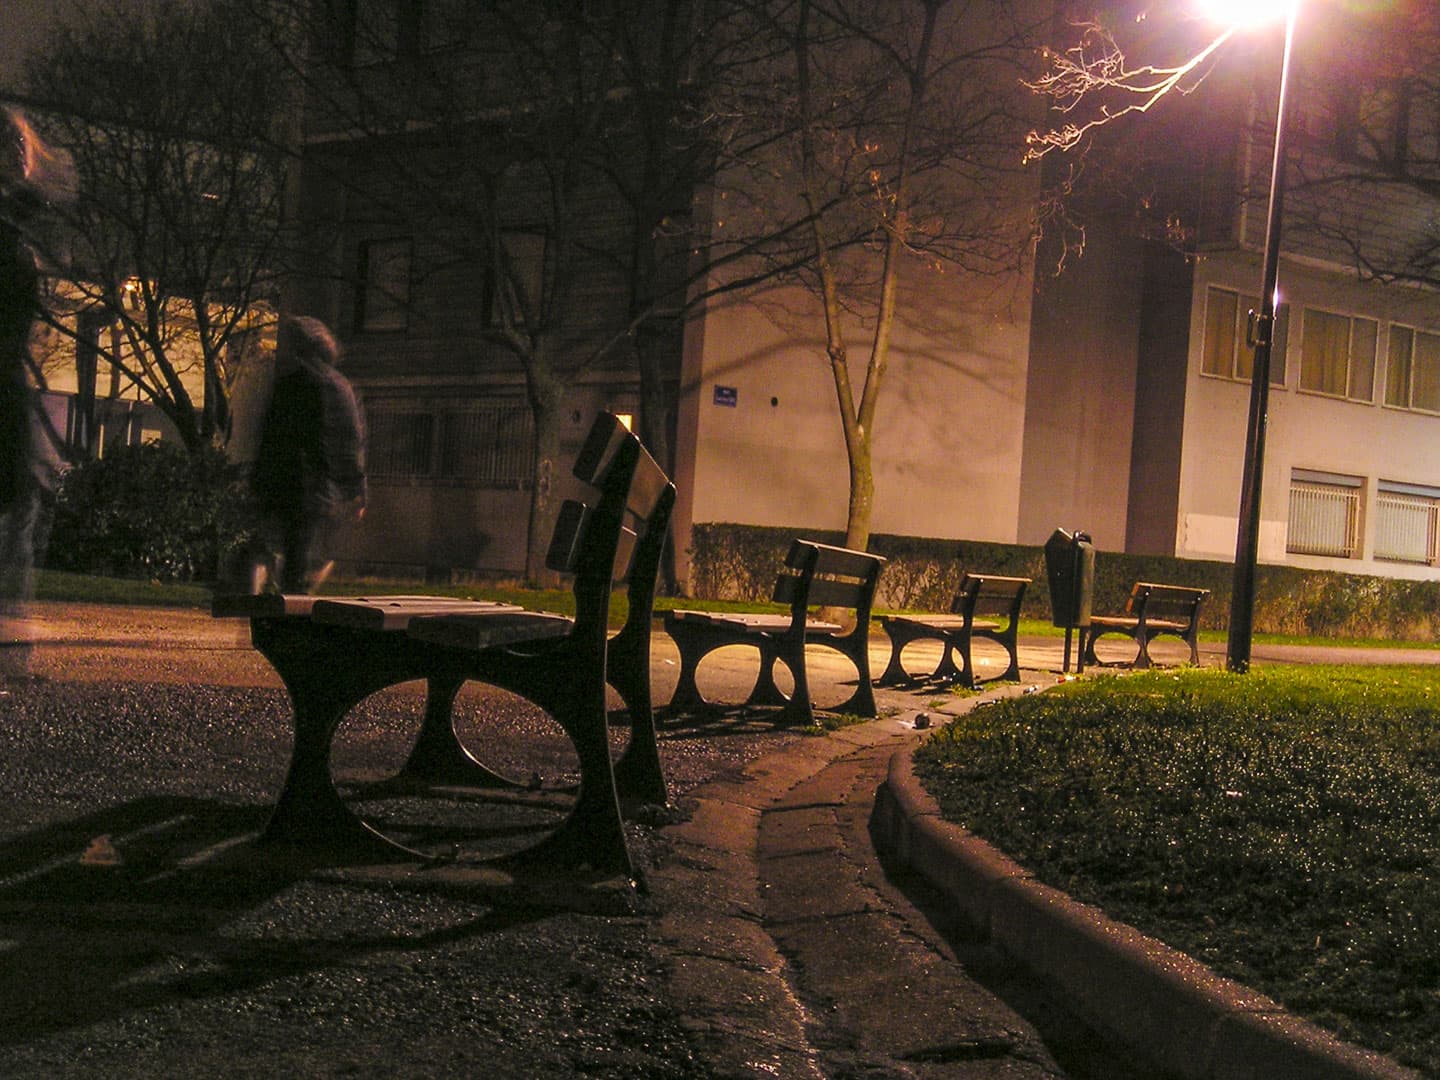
column 487, row 445
column 1405, row 522
column 484, row 445
column 1324, row 514
column 401, row 443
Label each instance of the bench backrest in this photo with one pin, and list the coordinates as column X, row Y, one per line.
column 1177, row 602
column 619, row 538
column 819, row 575
column 990, row 594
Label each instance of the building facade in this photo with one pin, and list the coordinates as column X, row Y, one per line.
column 1111, row 398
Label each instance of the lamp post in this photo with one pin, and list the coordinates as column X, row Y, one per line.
column 1261, row 335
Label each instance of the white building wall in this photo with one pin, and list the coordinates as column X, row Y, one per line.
column 760, row 439
column 1306, row 430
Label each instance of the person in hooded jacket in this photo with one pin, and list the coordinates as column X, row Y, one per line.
column 309, row 471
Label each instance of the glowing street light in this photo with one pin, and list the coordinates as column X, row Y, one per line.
column 1247, row 14
column 1261, row 337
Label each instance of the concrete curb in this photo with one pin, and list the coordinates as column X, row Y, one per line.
column 1174, row 1010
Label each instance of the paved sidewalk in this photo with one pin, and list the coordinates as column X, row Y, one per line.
column 778, row 905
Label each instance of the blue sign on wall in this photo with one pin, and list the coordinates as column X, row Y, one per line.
column 728, row 396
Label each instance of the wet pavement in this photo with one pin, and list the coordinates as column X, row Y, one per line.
column 139, row 938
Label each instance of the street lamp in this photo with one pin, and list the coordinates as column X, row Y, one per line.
column 1261, row 335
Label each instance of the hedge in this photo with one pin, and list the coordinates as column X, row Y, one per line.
column 738, row 562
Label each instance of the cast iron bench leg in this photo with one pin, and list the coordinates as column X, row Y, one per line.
column 862, row 702
column 947, row 670
column 438, row 756
column 309, row 813
column 1012, row 646
column 687, row 694
column 638, row 773
column 593, row 836
column 895, row 673
column 766, row 691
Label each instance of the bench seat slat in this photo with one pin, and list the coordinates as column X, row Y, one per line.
column 261, row 605
column 395, row 613
column 1130, row 622
column 649, row 485
column 758, row 622
column 829, row 560
column 823, row 592
column 477, row 631
column 941, row 622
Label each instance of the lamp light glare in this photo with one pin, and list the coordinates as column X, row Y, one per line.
column 1243, row 14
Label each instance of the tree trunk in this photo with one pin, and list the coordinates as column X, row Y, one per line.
column 656, row 405
column 862, row 493
column 546, row 396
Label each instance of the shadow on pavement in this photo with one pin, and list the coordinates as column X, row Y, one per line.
column 164, row 901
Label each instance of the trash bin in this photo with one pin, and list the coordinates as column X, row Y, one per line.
column 1070, row 567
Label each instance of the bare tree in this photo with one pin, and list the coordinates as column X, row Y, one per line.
column 550, row 151
column 902, row 127
column 563, row 152
column 168, row 109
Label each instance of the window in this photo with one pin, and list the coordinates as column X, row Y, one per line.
column 1381, row 121
column 483, row 445
column 1228, row 352
column 400, row 443
column 516, row 281
column 335, row 35
column 1337, row 356
column 1405, row 522
column 1324, row 514
column 384, row 300
column 1412, row 369
column 490, row 445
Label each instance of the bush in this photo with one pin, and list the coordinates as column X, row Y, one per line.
column 155, row 512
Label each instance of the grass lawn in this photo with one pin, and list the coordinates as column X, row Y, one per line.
column 1283, row 827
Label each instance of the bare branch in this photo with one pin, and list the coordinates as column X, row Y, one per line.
column 1096, row 65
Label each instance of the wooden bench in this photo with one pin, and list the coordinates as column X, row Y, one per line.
column 1151, row 611
column 978, row 594
column 814, row 576
column 331, row 653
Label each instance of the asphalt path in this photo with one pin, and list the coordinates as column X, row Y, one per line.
column 770, row 940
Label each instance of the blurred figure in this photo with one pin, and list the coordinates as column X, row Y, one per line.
column 309, row 471
column 32, row 178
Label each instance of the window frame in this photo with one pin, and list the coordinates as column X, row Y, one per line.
column 369, row 287
column 1242, row 354
column 1393, row 496
column 384, row 416
column 527, row 250
column 480, row 443
column 1343, row 489
column 1415, row 333
column 1308, row 336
